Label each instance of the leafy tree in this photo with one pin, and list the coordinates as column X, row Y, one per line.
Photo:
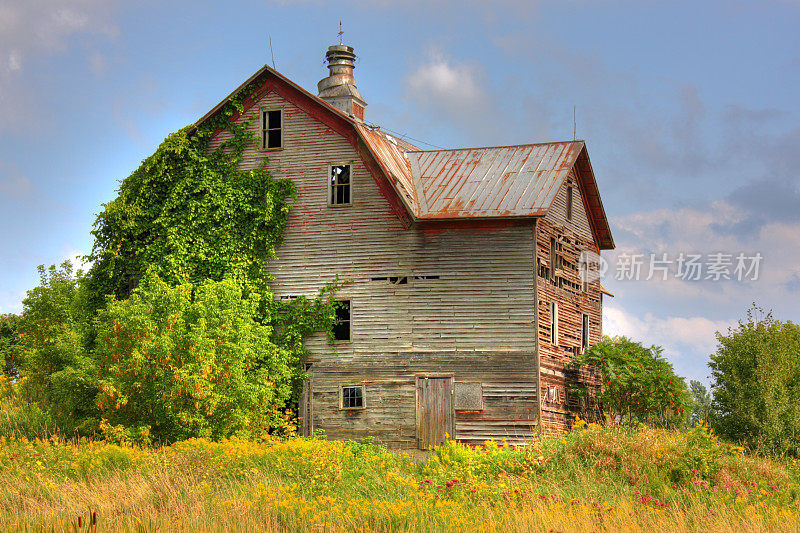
column 756, row 373
column 639, row 385
column 54, row 333
column 9, row 344
column 701, row 403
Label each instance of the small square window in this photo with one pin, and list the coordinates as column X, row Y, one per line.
column 352, row 397
column 271, row 129
column 340, row 185
column 341, row 329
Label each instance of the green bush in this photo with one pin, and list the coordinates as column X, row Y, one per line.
column 190, row 361
column 756, row 373
column 639, row 385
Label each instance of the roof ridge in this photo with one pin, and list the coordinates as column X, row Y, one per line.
column 500, row 146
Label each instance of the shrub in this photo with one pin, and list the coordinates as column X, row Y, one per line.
column 639, row 385
column 190, row 361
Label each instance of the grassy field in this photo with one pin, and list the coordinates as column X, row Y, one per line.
column 592, row 479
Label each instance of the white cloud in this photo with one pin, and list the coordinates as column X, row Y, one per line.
column 77, row 258
column 680, row 336
column 442, row 82
column 35, row 26
column 708, row 230
column 32, row 29
column 687, row 341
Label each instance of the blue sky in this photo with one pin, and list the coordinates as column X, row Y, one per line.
column 689, row 110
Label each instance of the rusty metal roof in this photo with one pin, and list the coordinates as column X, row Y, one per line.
column 390, row 154
column 506, row 181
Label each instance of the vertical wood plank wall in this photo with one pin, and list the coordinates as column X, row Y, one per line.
column 467, row 310
column 571, row 237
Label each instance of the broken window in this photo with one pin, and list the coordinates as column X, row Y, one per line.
column 585, row 332
column 271, row 131
column 340, row 185
column 341, row 329
column 352, row 397
column 569, row 203
column 554, row 323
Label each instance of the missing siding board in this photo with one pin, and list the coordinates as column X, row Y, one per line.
column 401, row 280
column 467, row 396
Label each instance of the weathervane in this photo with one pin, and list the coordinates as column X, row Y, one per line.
column 340, row 32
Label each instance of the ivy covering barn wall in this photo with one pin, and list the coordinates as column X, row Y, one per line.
column 173, row 331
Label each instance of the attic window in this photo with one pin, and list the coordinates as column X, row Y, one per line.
column 341, row 328
column 271, row 132
column 569, row 203
column 340, row 185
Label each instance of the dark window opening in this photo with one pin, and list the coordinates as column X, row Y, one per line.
column 554, row 323
column 585, row 332
column 340, row 185
column 352, row 397
column 569, row 203
column 271, row 136
column 341, row 329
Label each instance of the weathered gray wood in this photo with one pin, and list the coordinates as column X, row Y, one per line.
column 435, row 421
column 478, row 321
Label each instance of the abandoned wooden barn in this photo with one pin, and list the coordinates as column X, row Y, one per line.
column 465, row 300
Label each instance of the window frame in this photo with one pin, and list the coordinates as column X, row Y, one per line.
column 265, row 129
column 349, row 323
column 331, row 185
column 363, row 396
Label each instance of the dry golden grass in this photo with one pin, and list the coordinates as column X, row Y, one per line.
column 593, row 479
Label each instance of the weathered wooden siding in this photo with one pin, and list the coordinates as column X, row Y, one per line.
column 466, row 311
column 565, row 287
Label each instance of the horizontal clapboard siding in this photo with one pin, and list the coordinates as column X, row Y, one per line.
column 476, row 322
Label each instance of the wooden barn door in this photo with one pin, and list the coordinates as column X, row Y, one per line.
column 434, row 411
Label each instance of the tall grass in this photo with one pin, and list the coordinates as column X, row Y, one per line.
column 593, row 479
